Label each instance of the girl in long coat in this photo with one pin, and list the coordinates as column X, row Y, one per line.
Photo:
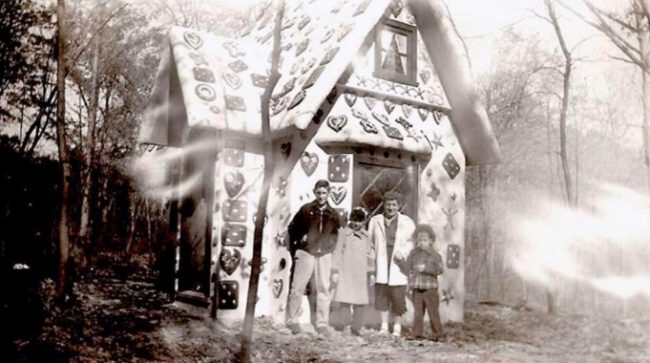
column 353, row 266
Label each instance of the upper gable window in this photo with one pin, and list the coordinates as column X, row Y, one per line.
column 395, row 52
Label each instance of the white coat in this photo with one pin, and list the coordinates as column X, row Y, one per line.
column 403, row 244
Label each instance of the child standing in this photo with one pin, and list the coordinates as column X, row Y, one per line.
column 352, row 272
column 423, row 265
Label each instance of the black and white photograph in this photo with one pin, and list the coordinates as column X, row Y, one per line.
column 325, row 181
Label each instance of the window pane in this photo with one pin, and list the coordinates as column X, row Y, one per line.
column 376, row 180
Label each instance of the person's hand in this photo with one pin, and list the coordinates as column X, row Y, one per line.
column 371, row 279
column 419, row 268
column 334, row 278
column 399, row 255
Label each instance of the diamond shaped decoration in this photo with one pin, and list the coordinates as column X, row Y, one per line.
column 233, row 235
column 314, row 77
column 329, row 55
column 234, row 157
column 228, row 295
column 235, row 103
column 302, row 47
column 199, row 59
column 393, row 133
column 361, row 8
column 238, row 66
column 453, row 256
column 235, row 211
column 297, row 99
column 450, row 165
column 259, row 80
column 338, row 168
column 203, row 75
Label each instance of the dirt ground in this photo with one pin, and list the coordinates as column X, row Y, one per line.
column 115, row 320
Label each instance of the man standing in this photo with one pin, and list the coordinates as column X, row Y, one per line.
column 313, row 232
column 390, row 233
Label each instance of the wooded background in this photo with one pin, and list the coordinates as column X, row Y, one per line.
column 570, row 113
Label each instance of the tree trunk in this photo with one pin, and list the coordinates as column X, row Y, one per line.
column 644, row 50
column 90, row 145
column 258, row 234
column 566, row 83
column 64, row 242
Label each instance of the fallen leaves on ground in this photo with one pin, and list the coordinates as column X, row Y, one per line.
column 116, row 320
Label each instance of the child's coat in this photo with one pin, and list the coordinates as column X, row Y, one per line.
column 353, row 260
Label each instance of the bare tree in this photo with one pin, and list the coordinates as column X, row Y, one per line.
column 64, row 242
column 630, row 33
column 258, row 234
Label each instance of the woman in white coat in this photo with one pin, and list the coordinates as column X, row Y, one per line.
column 390, row 234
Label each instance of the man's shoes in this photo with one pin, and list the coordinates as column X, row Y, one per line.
column 414, row 337
column 323, row 330
column 356, row 332
column 295, row 328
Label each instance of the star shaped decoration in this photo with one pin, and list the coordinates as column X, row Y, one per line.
column 447, row 296
column 434, row 192
column 362, row 81
column 437, row 141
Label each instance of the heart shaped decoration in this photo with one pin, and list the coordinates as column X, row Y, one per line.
column 193, row 39
column 407, row 109
column 229, row 260
column 383, row 119
column 359, row 114
column 389, row 106
column 309, row 162
column 350, row 99
column 370, row 102
column 337, row 123
column 424, row 113
column 337, row 194
column 278, row 104
column 233, row 181
column 277, row 287
column 232, row 80
column 437, row 115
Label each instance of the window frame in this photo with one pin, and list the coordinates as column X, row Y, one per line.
column 412, row 167
column 408, row 30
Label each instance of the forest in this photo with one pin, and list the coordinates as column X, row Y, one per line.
column 557, row 239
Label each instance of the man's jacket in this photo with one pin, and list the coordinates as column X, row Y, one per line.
column 314, row 229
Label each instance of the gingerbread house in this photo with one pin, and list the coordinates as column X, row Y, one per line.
column 373, row 96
